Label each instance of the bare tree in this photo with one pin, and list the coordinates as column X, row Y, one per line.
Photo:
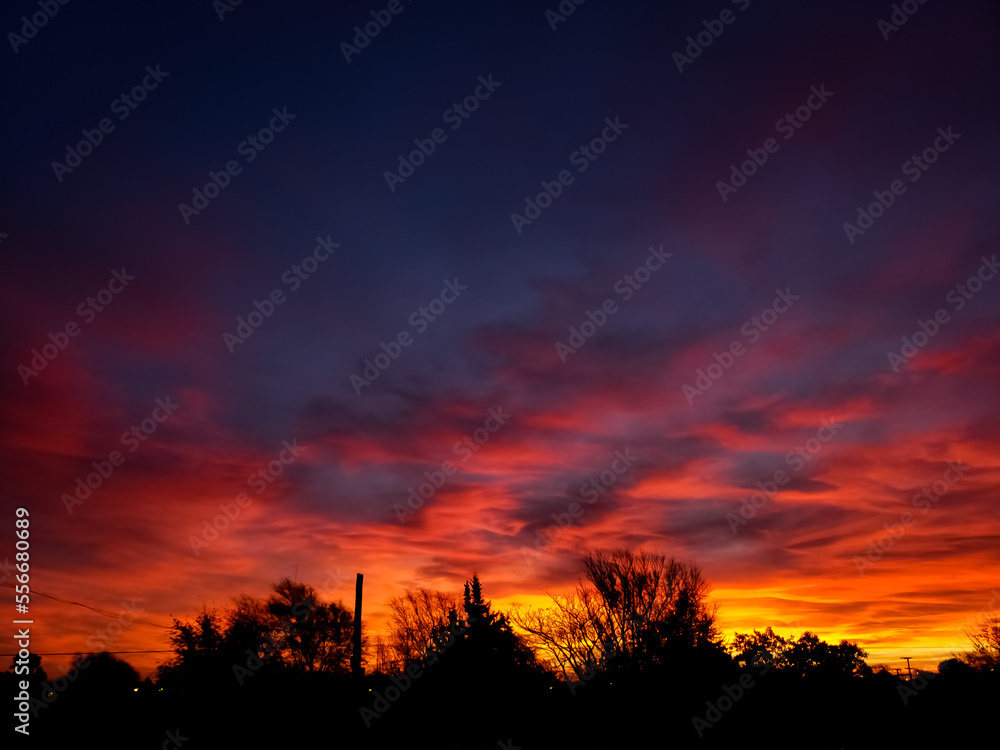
column 565, row 636
column 642, row 593
column 415, row 616
column 385, row 659
column 985, row 641
column 631, row 605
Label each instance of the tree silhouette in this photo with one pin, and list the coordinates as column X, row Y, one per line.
column 292, row 630
column 636, row 611
column 758, row 650
column 102, row 676
column 199, row 656
column 565, row 635
column 251, row 630
column 386, row 662
column 954, row 668
column 985, row 653
column 639, row 623
column 490, row 639
column 807, row 656
column 415, row 617
column 313, row 635
column 480, row 642
column 810, row 656
column 645, row 601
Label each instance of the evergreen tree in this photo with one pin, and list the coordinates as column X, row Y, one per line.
column 481, row 642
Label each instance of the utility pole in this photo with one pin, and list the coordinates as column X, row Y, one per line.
column 357, row 671
column 908, row 670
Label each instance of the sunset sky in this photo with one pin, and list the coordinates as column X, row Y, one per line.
column 338, row 320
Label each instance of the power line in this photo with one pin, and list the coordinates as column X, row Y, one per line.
column 106, row 613
column 84, row 653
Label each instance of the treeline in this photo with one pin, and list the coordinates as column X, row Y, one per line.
column 633, row 652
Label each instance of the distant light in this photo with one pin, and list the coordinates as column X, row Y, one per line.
column 135, row 690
